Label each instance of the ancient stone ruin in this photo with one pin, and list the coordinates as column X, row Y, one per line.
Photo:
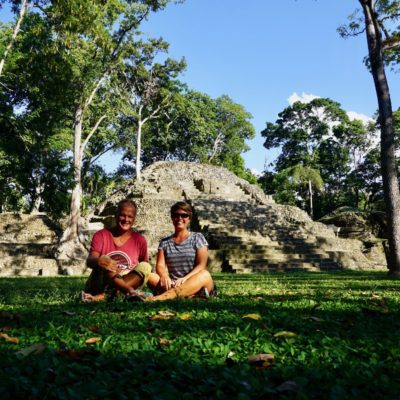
column 246, row 230
column 27, row 245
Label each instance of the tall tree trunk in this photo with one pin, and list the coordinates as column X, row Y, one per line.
column 22, row 12
column 388, row 162
column 75, row 208
column 72, row 243
column 138, row 152
column 37, row 199
column 310, row 192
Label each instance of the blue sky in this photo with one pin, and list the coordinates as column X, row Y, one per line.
column 260, row 52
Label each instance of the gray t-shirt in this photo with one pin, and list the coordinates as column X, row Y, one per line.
column 180, row 258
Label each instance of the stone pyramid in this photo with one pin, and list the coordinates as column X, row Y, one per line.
column 246, row 230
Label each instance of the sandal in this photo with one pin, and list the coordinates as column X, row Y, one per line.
column 137, row 296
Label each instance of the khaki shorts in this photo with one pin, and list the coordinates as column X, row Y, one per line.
column 98, row 282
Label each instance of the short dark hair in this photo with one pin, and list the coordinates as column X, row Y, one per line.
column 126, row 202
column 182, row 205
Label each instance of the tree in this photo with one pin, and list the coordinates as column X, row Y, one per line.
column 33, row 138
column 94, row 39
column 311, row 178
column 150, row 87
column 383, row 38
column 23, row 10
column 199, row 128
column 301, row 128
column 232, row 131
column 320, row 136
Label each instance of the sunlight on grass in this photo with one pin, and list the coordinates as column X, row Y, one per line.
column 329, row 336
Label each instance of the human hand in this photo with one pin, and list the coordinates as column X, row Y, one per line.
column 179, row 281
column 107, row 263
column 165, row 282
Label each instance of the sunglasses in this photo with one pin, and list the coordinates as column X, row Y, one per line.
column 177, row 215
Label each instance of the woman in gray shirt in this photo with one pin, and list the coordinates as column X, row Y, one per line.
column 182, row 260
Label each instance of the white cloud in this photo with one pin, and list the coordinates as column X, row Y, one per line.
column 304, row 98
column 364, row 118
column 256, row 172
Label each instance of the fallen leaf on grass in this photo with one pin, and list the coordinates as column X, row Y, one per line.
column 69, row 313
column 9, row 338
column 157, row 317
column 93, row 340
column 286, row 334
column 262, row 360
column 185, row 316
column 36, row 348
column 252, row 316
column 164, row 342
column 93, row 328
column 288, row 386
column 161, row 315
column 166, row 313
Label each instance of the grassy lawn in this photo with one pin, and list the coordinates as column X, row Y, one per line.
column 328, row 336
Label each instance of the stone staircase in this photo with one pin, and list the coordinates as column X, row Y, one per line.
column 246, row 237
column 246, row 230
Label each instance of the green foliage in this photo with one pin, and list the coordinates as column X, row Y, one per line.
column 344, row 341
column 199, row 128
column 318, row 136
column 387, row 14
column 86, row 64
column 66, row 51
column 302, row 175
column 98, row 186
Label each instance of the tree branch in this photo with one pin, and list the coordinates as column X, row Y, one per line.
column 217, row 142
column 93, row 160
column 94, row 91
column 391, row 42
column 123, row 33
column 88, row 137
column 22, row 12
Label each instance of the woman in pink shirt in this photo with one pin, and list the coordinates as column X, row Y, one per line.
column 118, row 257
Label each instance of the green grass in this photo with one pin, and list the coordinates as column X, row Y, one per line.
column 347, row 343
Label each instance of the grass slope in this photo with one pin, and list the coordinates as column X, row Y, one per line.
column 331, row 336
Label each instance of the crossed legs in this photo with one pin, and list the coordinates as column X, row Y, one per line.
column 125, row 284
column 188, row 288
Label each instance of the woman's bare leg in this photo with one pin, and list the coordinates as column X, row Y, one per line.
column 190, row 287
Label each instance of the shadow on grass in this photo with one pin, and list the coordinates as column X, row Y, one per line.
column 346, row 344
